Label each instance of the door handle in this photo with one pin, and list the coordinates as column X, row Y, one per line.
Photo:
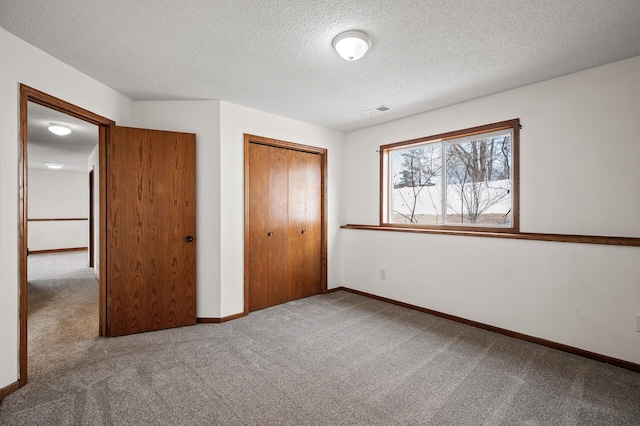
column 270, row 234
column 304, row 231
column 189, row 238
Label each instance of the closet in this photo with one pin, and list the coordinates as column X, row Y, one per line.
column 283, row 223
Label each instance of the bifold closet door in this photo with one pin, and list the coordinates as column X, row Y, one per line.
column 278, row 235
column 285, row 225
column 258, row 227
column 268, row 226
column 305, row 203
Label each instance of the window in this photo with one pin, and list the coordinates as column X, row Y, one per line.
column 462, row 180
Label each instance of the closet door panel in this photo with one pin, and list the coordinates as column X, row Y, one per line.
column 258, row 227
column 278, row 226
column 313, row 225
column 297, row 222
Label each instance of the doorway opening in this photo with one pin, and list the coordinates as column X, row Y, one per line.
column 54, row 111
column 146, row 187
column 63, row 303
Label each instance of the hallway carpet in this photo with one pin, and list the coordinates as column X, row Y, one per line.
column 335, row 359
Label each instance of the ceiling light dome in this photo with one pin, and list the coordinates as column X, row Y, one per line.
column 59, row 129
column 352, row 45
column 54, row 166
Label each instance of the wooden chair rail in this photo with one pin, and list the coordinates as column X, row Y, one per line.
column 57, row 219
column 565, row 238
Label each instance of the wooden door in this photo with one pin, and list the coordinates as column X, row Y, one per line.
column 151, row 220
column 284, row 232
column 278, row 234
column 268, row 226
column 313, row 218
column 258, row 247
column 305, row 224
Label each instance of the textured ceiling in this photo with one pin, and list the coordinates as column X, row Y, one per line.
column 71, row 150
column 276, row 56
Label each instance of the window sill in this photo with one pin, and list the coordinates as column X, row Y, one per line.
column 565, row 238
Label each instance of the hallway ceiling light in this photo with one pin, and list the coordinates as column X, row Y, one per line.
column 352, row 45
column 59, row 129
column 54, row 166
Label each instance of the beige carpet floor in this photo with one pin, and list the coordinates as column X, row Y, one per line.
column 335, row 359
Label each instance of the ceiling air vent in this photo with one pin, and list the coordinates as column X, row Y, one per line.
column 378, row 109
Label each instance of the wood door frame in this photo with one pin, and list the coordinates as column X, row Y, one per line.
column 91, row 219
column 29, row 94
column 248, row 139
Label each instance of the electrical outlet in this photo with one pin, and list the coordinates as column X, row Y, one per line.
column 638, row 323
column 383, row 274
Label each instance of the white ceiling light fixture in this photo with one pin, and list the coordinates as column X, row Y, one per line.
column 59, row 129
column 352, row 45
column 54, row 166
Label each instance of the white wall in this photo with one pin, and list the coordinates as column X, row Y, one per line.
column 55, row 235
column 55, row 194
column 203, row 119
column 235, row 121
column 581, row 130
column 23, row 63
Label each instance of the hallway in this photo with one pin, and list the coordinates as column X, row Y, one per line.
column 63, row 310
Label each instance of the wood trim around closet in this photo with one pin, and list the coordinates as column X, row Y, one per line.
column 248, row 139
column 58, row 219
column 220, row 320
column 9, row 389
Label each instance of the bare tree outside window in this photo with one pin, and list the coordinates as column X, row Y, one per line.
column 478, row 172
column 460, row 179
column 419, row 169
